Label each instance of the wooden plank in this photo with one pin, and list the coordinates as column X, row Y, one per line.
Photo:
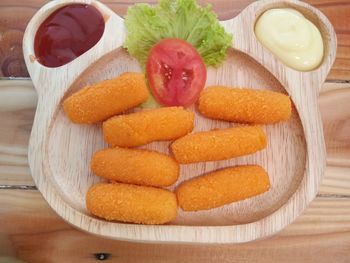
column 336, row 124
column 16, row 119
column 336, row 181
column 17, row 108
column 37, row 235
column 337, row 12
column 34, row 233
column 12, row 27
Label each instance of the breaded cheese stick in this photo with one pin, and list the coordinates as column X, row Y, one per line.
column 134, row 166
column 219, row 144
column 244, row 105
column 131, row 203
column 222, row 187
column 148, row 125
column 102, row 100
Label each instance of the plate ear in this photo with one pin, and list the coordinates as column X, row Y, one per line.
column 57, row 80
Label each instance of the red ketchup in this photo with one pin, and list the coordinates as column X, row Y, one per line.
column 67, row 33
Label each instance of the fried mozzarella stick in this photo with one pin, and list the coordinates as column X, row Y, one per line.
column 131, row 203
column 102, row 100
column 219, row 144
column 244, row 105
column 146, row 126
column 222, row 187
column 133, row 166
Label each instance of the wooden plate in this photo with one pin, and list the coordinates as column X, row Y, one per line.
column 60, row 152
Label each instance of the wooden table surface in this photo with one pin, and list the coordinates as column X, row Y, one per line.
column 31, row 232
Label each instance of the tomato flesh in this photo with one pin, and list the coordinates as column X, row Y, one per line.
column 176, row 72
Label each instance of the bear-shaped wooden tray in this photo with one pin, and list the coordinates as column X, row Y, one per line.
column 60, row 151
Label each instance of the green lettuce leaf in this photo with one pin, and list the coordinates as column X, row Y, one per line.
column 184, row 19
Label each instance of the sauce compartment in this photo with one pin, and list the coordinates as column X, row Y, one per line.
column 41, row 18
column 67, row 33
column 314, row 16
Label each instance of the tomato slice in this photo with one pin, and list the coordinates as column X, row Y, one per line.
column 176, row 72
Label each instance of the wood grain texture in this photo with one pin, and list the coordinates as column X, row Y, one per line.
column 33, row 233
column 17, row 108
column 18, row 102
column 12, row 27
column 337, row 133
column 338, row 12
column 239, row 67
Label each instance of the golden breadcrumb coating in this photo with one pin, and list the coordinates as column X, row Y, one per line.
column 131, row 203
column 222, row 187
column 219, row 144
column 148, row 125
column 102, row 100
column 244, row 105
column 133, row 166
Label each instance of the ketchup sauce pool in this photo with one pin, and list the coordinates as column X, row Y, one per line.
column 67, row 33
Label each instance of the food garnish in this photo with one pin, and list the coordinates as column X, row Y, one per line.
column 175, row 19
column 183, row 19
column 176, row 72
